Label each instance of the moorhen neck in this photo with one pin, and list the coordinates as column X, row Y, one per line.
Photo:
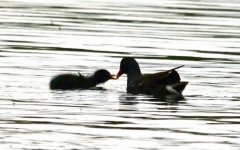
column 158, row 84
column 72, row 81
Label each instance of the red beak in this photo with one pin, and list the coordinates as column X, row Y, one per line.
column 120, row 72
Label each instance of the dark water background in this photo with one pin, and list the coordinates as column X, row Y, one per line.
column 42, row 38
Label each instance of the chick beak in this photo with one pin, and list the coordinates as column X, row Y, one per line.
column 113, row 77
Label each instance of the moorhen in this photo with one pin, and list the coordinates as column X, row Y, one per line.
column 157, row 84
column 72, row 81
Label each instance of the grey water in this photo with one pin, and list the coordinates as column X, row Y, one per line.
column 42, row 38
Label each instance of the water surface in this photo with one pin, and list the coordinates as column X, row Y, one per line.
column 40, row 39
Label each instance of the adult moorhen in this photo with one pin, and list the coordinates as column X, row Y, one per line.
column 157, row 84
column 71, row 81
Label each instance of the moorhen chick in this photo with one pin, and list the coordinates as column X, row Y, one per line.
column 157, row 84
column 72, row 81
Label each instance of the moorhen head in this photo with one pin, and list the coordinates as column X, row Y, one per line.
column 129, row 66
column 101, row 76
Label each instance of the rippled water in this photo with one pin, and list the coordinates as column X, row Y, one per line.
column 39, row 39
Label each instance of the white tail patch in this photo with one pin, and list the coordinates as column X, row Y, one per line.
column 171, row 90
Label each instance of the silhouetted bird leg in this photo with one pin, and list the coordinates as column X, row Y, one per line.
column 176, row 68
column 80, row 74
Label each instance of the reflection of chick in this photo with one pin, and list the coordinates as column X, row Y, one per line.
column 71, row 81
